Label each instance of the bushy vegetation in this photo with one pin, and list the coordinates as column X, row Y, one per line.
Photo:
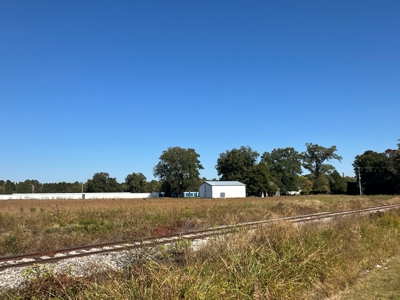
column 281, row 261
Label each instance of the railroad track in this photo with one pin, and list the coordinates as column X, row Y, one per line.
column 58, row 255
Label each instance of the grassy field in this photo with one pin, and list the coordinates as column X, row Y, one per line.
column 39, row 225
column 280, row 261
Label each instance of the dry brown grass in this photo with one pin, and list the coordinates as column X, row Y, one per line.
column 42, row 225
column 281, row 261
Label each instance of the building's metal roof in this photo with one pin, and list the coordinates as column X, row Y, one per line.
column 224, row 183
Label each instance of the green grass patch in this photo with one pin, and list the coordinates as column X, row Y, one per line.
column 382, row 282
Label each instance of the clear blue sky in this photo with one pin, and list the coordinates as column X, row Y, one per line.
column 106, row 86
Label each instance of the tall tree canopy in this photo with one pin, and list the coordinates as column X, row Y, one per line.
column 178, row 170
column 136, row 183
column 321, row 184
column 259, row 180
column 378, row 174
column 102, row 183
column 315, row 156
column 285, row 167
column 338, row 184
column 153, row 186
column 236, row 164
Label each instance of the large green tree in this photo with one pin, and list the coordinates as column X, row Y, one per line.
column 285, row 167
column 136, row 183
column 315, row 156
column 259, row 181
column 338, row 184
column 178, row 170
column 153, row 186
column 102, row 183
column 321, row 185
column 378, row 175
column 236, row 164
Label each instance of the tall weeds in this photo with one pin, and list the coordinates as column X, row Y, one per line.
column 31, row 226
column 281, row 261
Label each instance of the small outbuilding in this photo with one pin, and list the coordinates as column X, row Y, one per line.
column 222, row 189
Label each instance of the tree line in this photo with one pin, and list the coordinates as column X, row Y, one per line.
column 178, row 170
column 278, row 170
column 100, row 183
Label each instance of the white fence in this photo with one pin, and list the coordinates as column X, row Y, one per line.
column 48, row 196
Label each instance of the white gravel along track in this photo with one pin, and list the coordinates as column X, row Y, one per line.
column 16, row 278
column 75, row 267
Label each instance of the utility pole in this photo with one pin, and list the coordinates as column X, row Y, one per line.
column 359, row 180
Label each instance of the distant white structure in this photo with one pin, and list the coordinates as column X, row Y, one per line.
column 222, row 189
column 49, row 196
column 293, row 193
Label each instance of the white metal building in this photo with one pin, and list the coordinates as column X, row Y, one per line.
column 222, row 189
